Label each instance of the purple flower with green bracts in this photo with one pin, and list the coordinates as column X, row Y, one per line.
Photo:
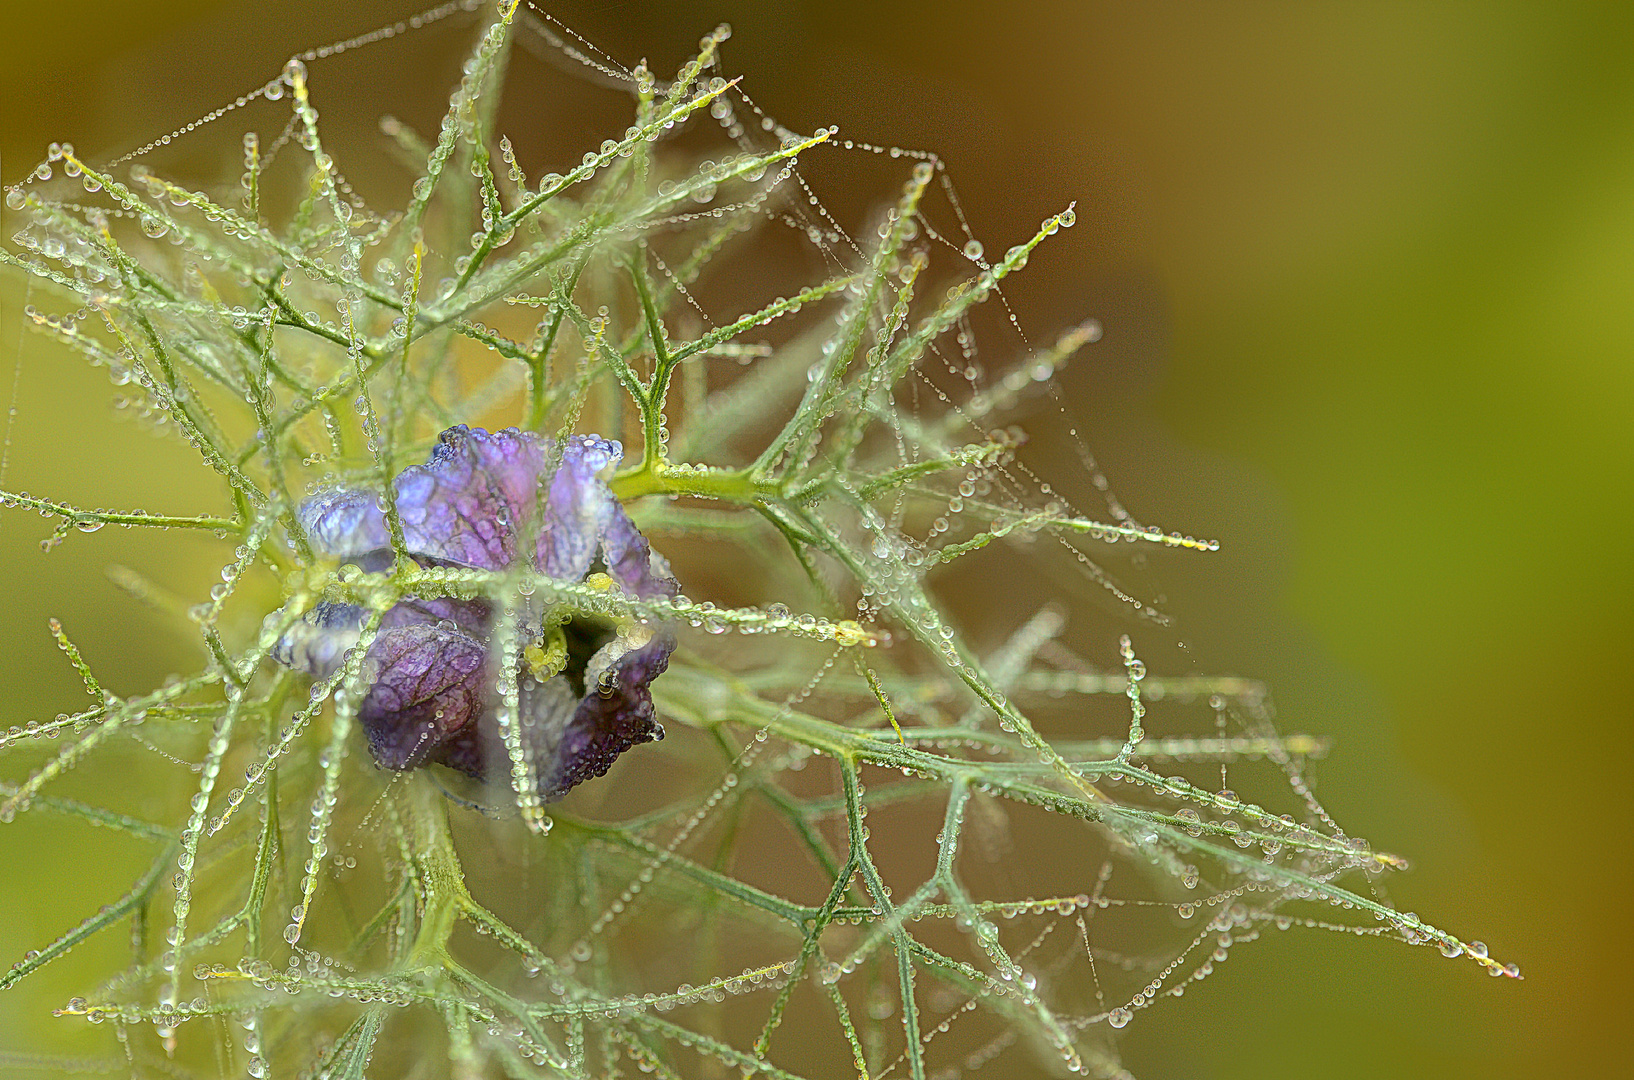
column 583, row 682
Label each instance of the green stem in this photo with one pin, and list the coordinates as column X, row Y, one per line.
column 442, row 879
column 662, row 478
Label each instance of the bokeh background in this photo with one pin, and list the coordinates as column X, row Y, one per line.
column 1365, row 272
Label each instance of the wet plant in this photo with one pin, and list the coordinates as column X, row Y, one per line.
column 487, row 466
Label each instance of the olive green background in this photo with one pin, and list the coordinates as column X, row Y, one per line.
column 1366, row 275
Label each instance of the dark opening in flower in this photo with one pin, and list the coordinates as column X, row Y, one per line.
column 432, row 672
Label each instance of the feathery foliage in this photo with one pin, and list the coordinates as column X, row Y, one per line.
column 825, row 837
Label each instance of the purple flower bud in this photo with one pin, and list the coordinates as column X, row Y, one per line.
column 431, row 670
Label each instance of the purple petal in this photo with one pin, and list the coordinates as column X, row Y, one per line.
column 570, row 739
column 429, row 685
column 430, row 698
column 630, row 560
column 465, row 504
column 474, row 617
column 344, row 522
column 479, row 751
column 576, row 507
column 317, row 644
column 582, row 515
column 609, row 719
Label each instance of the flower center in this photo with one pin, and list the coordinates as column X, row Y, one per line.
column 570, row 649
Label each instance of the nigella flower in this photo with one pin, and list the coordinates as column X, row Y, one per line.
column 583, row 682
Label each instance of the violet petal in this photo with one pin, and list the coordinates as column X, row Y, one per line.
column 609, row 719
column 466, row 503
column 582, row 514
column 569, row 739
column 344, row 522
column 630, row 559
column 429, row 685
column 319, row 640
column 576, row 507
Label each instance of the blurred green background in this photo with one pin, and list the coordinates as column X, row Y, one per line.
column 1366, row 276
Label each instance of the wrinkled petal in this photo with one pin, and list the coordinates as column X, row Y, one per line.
column 344, row 522
column 466, row 503
column 318, row 643
column 474, row 617
column 576, row 507
column 480, row 752
column 463, row 506
column 428, row 685
column 582, row 515
column 631, row 561
column 609, row 719
column 570, row 739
